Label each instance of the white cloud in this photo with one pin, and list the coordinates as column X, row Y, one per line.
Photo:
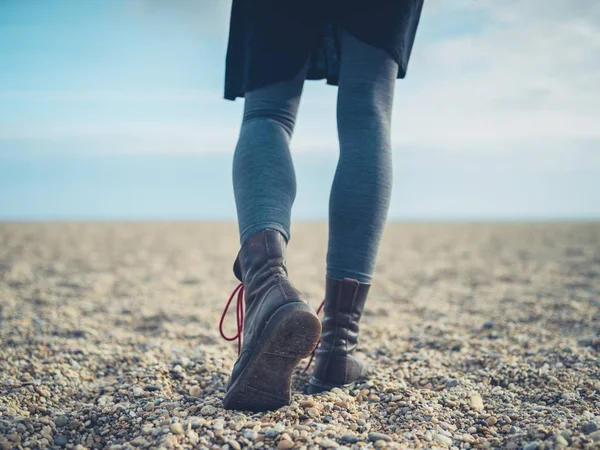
column 524, row 84
column 530, row 75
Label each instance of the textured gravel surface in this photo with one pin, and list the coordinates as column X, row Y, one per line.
column 478, row 336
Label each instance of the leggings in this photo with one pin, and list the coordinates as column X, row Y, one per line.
column 264, row 180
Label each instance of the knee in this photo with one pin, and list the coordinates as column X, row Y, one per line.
column 270, row 112
column 364, row 113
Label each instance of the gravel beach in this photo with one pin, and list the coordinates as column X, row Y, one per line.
column 477, row 336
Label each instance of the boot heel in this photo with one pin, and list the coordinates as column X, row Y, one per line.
column 295, row 332
column 290, row 335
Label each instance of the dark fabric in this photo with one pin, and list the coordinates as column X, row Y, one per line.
column 270, row 40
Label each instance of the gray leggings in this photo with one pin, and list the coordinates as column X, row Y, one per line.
column 263, row 173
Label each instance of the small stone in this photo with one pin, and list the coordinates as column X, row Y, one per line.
column 251, row 435
column 308, row 403
column 492, row 420
column 561, row 441
column 195, row 391
column 445, row 440
column 61, row 440
column 312, row 412
column 328, row 443
column 373, row 436
column 235, row 445
column 208, row 410
column 476, row 402
column 472, row 430
column 152, row 388
column 590, row 427
column 452, row 382
column 349, row 438
column 285, row 444
column 61, row 421
column 532, row 446
column 595, row 436
column 271, row 433
column 176, row 428
column 138, row 391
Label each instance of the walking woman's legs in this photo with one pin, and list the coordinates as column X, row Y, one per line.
column 360, row 194
column 264, row 181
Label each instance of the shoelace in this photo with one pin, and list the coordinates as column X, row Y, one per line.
column 239, row 316
column 312, row 355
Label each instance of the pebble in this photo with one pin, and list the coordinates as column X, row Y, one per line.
column 595, row 436
column 61, row 440
column 349, row 438
column 285, row 444
column 208, row 410
column 251, row 435
column 176, row 428
column 531, row 446
column 378, row 436
column 476, row 402
column 442, row 439
column 561, row 441
column 195, row 391
column 328, row 443
column 271, row 433
column 590, row 427
column 61, row 421
column 235, row 445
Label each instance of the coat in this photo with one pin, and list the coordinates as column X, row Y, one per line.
column 271, row 40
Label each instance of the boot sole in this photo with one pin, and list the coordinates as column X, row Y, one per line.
column 264, row 384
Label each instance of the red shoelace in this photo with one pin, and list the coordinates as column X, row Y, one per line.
column 312, row 355
column 239, row 317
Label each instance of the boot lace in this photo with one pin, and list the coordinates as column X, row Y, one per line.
column 312, row 355
column 239, row 316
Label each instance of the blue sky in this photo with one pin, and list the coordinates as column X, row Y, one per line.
column 113, row 109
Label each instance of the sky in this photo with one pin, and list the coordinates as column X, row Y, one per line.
column 114, row 110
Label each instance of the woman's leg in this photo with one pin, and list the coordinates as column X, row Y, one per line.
column 360, row 194
column 358, row 207
column 264, row 181
column 277, row 325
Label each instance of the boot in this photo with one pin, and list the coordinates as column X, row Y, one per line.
column 279, row 326
column 336, row 365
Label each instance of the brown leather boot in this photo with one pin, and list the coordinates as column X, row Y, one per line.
column 336, row 365
column 279, row 326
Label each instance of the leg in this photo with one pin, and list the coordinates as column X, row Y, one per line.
column 264, row 181
column 361, row 189
column 358, row 207
column 277, row 324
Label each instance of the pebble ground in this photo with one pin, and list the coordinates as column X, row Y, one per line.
column 478, row 336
